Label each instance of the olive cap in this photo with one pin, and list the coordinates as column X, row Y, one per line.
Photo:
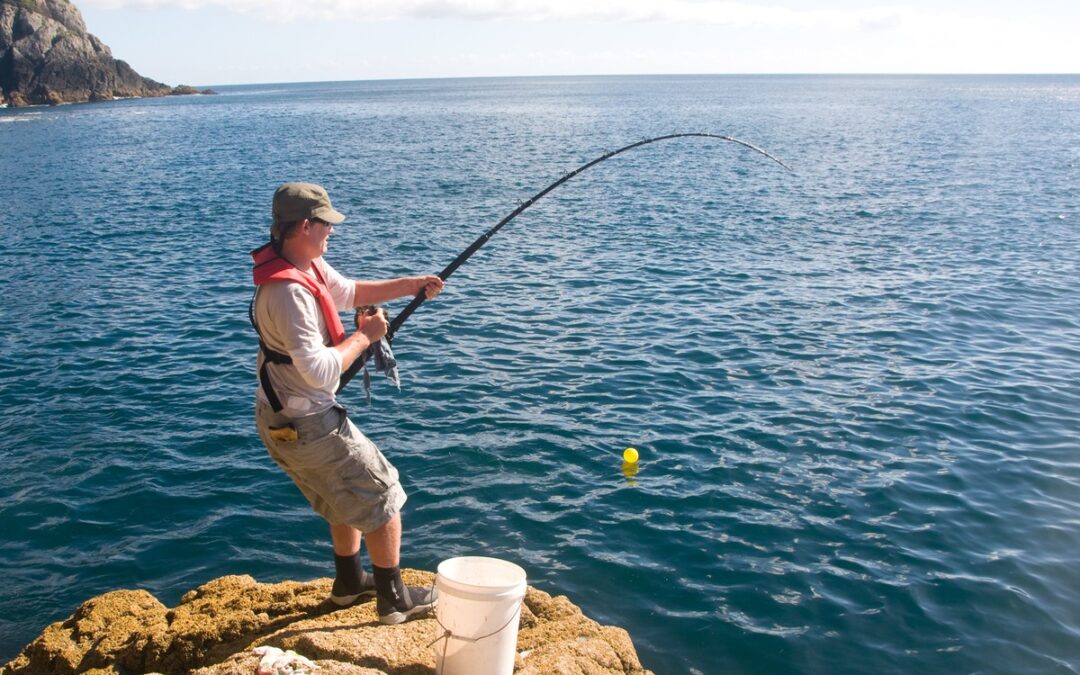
column 297, row 201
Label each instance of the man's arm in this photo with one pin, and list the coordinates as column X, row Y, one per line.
column 378, row 292
column 288, row 317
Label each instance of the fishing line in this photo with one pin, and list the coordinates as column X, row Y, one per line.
column 395, row 324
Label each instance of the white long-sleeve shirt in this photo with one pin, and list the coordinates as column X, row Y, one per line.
column 290, row 322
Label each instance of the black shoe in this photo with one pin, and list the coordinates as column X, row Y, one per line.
column 341, row 595
column 415, row 601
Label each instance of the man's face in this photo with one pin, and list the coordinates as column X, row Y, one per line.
column 319, row 235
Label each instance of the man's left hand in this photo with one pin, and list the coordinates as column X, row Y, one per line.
column 431, row 284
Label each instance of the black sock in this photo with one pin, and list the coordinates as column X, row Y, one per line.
column 350, row 576
column 388, row 583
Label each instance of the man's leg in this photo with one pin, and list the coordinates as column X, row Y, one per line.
column 384, row 544
column 394, row 601
column 365, row 494
column 346, row 539
column 351, row 581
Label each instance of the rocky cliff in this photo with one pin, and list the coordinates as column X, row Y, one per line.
column 47, row 56
column 215, row 628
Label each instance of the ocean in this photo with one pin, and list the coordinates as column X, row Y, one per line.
column 855, row 387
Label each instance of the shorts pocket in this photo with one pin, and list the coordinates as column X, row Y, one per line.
column 367, row 458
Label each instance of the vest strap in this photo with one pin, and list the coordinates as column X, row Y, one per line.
column 269, row 356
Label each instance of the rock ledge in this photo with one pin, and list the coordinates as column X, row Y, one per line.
column 215, row 627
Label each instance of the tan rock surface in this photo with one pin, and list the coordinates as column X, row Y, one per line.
column 215, row 627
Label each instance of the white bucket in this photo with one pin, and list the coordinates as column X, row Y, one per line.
column 480, row 605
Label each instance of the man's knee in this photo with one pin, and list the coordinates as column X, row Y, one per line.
column 390, row 526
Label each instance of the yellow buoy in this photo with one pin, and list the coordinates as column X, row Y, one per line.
column 630, row 456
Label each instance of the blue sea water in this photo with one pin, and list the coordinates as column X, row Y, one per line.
column 855, row 387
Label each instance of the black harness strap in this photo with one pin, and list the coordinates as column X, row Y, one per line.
column 269, row 356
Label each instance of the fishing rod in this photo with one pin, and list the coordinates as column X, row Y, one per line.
column 395, row 324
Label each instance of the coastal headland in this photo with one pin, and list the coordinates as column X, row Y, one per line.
column 215, row 627
column 47, row 57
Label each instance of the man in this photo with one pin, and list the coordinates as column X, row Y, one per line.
column 303, row 350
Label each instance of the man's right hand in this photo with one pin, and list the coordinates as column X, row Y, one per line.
column 374, row 326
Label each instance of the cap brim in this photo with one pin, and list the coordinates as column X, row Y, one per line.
column 330, row 215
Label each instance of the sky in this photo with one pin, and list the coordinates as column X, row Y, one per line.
column 220, row 42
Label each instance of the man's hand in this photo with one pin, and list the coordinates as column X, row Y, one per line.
column 371, row 326
column 373, row 323
column 431, row 284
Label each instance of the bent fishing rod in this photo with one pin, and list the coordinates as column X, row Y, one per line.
column 395, row 324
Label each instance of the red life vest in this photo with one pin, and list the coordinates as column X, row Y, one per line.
column 271, row 267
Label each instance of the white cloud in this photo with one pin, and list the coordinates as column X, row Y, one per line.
column 681, row 11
